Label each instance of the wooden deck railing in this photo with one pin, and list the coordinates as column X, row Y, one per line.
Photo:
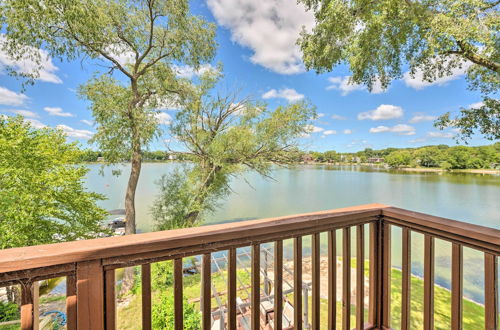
column 90, row 265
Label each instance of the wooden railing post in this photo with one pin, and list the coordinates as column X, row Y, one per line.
column 384, row 277
column 90, row 295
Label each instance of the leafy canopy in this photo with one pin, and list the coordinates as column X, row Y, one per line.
column 42, row 194
column 223, row 136
column 378, row 39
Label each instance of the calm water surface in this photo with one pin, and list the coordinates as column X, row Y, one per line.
column 473, row 198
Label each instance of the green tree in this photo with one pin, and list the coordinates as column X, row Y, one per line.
column 399, row 158
column 429, row 156
column 458, row 157
column 224, row 136
column 42, row 195
column 331, row 156
column 378, row 39
column 141, row 40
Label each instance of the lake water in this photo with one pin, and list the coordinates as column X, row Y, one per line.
column 473, row 198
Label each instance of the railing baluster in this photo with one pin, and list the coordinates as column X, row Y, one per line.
column 278, row 284
column 27, row 322
column 36, row 305
column 231, row 289
column 90, row 297
column 373, row 314
column 360, row 277
column 297, row 283
column 429, row 282
column 71, row 302
column 332, row 280
column 406, row 280
column 178, row 303
column 385, row 267
column 346, row 279
column 315, row 280
column 491, row 291
column 255, row 304
column 146, row 296
column 110, row 298
column 206, row 301
column 456, row 286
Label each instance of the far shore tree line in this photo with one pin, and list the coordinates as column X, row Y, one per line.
column 433, row 156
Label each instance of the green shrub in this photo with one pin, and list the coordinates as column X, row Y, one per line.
column 9, row 312
column 163, row 313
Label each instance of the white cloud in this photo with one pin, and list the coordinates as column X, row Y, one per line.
column 270, row 28
column 35, row 123
column 421, row 117
column 56, row 111
column 186, row 71
column 383, row 111
column 320, row 115
column 347, row 131
column 8, row 97
column 338, row 117
column 25, row 113
column 122, row 53
column 417, row 81
column 288, row 94
column 400, row 129
column 476, row 105
column 163, row 118
column 345, row 86
column 87, row 122
column 441, row 135
column 76, row 133
column 46, row 69
column 313, row 129
column 330, row 132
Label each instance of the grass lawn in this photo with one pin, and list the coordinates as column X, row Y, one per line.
column 473, row 313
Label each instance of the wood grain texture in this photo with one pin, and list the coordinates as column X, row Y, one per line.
column 360, row 277
column 385, row 282
column 406, row 280
column 297, row 283
column 456, row 286
column 178, row 299
column 346, row 278
column 316, row 307
column 244, row 232
column 332, row 280
column 206, row 301
column 429, row 255
column 278, row 284
column 478, row 237
column 27, row 320
column 491, row 291
column 146, row 296
column 71, row 302
column 90, row 295
column 255, row 298
column 231, row 289
column 110, row 299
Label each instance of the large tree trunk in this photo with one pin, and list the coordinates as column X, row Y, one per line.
column 135, row 172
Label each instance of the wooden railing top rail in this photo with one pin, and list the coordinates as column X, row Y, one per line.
column 125, row 250
column 204, row 239
column 478, row 237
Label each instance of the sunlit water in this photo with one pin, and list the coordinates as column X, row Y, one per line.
column 473, row 198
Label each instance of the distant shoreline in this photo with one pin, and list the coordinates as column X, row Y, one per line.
column 380, row 166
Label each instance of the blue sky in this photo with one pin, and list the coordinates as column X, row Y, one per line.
column 257, row 49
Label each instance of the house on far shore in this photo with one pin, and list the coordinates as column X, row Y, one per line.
column 100, row 159
column 307, row 158
column 172, row 157
column 375, row 160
